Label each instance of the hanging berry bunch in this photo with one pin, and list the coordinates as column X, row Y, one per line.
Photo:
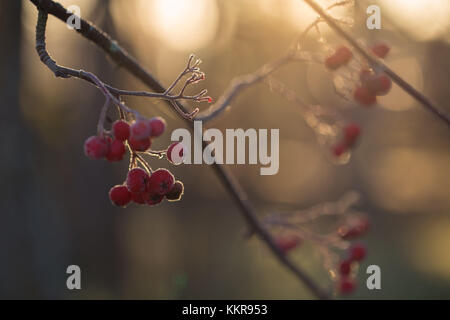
column 349, row 136
column 356, row 80
column 292, row 229
column 365, row 83
column 348, row 267
column 142, row 185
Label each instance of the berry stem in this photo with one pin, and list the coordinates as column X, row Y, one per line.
column 144, row 163
column 101, row 120
column 160, row 154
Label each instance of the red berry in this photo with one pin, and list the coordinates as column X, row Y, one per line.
column 379, row 84
column 121, row 130
column 287, row 242
column 153, row 199
column 175, row 153
column 351, row 133
column 160, row 182
column 364, row 96
column 346, row 286
column 339, row 149
column 344, row 54
column 95, row 147
column 345, row 267
column 357, row 252
column 116, row 151
column 140, row 145
column 137, row 180
column 341, row 57
column 138, row 198
column 120, row 196
column 332, row 62
column 158, row 125
column 175, row 192
column 380, row 49
column 365, row 75
column 140, row 130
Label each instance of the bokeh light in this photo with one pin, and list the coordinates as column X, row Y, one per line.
column 181, row 24
column 423, row 19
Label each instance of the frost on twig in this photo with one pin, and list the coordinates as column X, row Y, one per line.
column 113, row 94
column 345, row 223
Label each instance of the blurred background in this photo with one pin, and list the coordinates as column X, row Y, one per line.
column 54, row 203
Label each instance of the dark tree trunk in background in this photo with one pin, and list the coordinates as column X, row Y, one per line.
column 16, row 276
column 33, row 242
column 51, row 216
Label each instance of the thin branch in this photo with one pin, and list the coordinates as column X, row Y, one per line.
column 111, row 92
column 122, row 58
column 379, row 64
column 238, row 84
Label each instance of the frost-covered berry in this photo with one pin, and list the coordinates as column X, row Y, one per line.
column 351, row 133
column 175, row 192
column 365, row 74
column 158, row 125
column 364, row 96
column 140, row 130
column 380, row 49
column 138, row 198
column 175, row 153
column 160, row 182
column 379, row 84
column 153, row 199
column 140, row 145
column 344, row 53
column 339, row 149
column 121, row 130
column 116, row 151
column 341, row 57
column 96, row 147
column 287, row 242
column 345, row 267
column 346, row 285
column 358, row 252
column 137, row 180
column 120, row 196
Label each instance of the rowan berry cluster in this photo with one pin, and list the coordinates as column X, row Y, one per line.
column 291, row 229
column 347, row 268
column 371, row 83
column 346, row 282
column 350, row 135
column 366, row 85
column 142, row 186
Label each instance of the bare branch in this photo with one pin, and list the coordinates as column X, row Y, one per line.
column 111, row 92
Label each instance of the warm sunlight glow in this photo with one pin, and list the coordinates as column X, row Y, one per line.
column 182, row 24
column 301, row 14
column 405, row 179
column 423, row 19
column 428, row 250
